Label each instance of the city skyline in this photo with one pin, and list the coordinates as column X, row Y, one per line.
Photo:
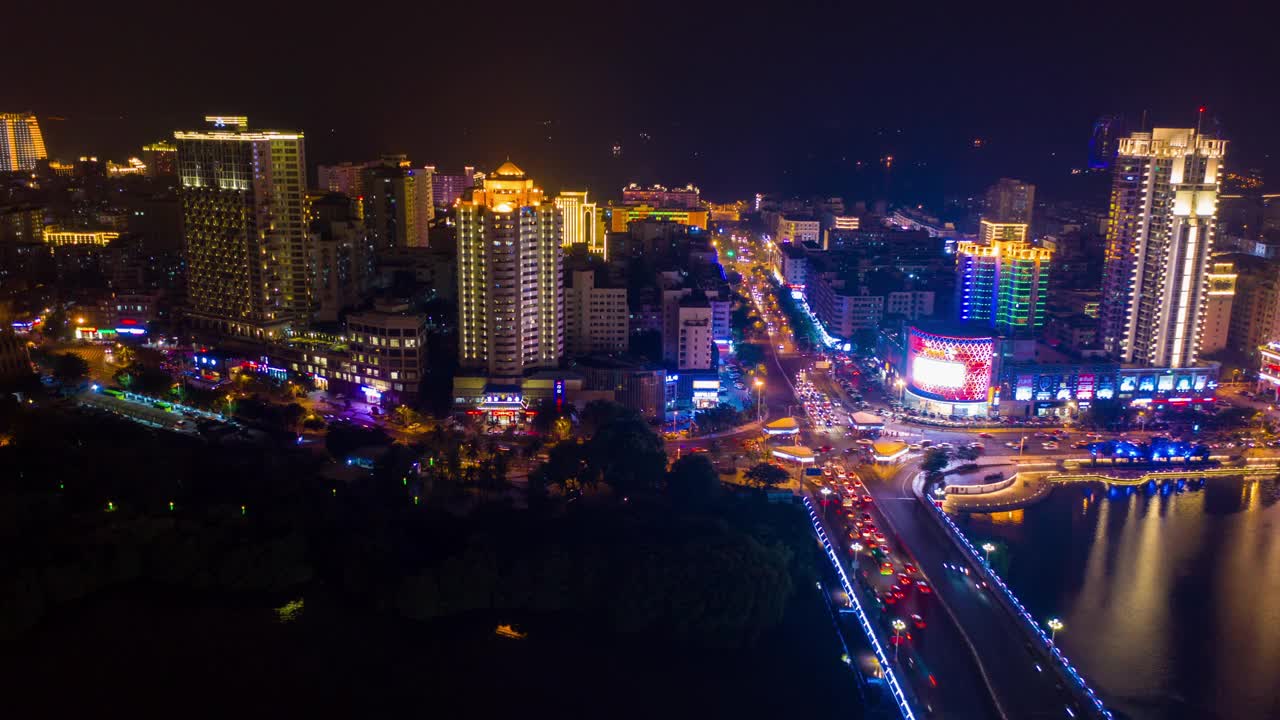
column 879, row 94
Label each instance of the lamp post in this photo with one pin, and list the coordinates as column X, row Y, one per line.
column 898, row 627
column 987, row 549
column 759, row 408
column 1054, row 626
column 1021, row 443
column 902, row 392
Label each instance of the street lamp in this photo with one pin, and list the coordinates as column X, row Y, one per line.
column 759, row 409
column 898, row 627
column 856, row 548
column 1054, row 626
column 987, row 549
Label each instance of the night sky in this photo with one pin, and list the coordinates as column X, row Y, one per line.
column 736, row 100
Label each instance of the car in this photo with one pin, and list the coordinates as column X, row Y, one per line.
column 880, row 538
column 886, row 568
column 866, row 499
column 889, row 599
column 923, row 587
column 985, row 435
column 917, row 621
column 904, row 579
column 897, row 592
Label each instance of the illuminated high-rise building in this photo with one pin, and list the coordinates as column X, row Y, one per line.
column 21, row 144
column 243, row 195
column 449, row 185
column 397, row 205
column 1010, row 201
column 1164, row 206
column 510, row 280
column 583, row 223
column 1002, row 281
column 160, row 158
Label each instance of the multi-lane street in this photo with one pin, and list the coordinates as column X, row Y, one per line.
column 958, row 649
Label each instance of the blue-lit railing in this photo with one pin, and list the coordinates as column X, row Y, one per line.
column 1049, row 645
column 890, row 678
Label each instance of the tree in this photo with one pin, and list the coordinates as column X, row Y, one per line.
column 967, row 453
column 55, row 325
column 721, row 417
column 628, row 454
column 935, row 460
column 69, row 367
column 692, row 481
column 405, row 415
column 599, row 413
column 345, row 438
column 767, row 475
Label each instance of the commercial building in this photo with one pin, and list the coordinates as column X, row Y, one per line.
column 22, row 224
column 342, row 258
column 1010, row 201
column 397, row 205
column 346, row 178
column 686, row 197
column 1163, row 216
column 510, row 287
column 1003, row 281
column 21, row 143
column 793, row 265
column 582, row 222
column 1255, row 311
column 910, row 304
column 620, row 216
column 161, row 159
column 448, row 185
column 1219, row 299
column 639, row 387
column 798, row 230
column 244, row 221
column 948, row 373
column 596, row 317
column 54, row 235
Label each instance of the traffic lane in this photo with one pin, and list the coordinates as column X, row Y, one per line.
column 1024, row 691
column 935, row 659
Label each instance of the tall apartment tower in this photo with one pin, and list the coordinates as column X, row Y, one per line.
column 243, row 196
column 1164, row 207
column 511, row 316
column 1010, row 201
column 581, row 221
column 1002, row 280
column 21, row 144
column 397, row 205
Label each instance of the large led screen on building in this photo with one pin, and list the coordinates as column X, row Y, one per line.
column 950, row 368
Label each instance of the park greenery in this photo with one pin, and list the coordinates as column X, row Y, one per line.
column 605, row 532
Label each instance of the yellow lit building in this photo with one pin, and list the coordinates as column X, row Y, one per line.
column 622, row 215
column 243, row 197
column 726, row 212
column 990, row 232
column 21, row 143
column 1221, row 295
column 582, row 221
column 53, row 235
column 511, row 316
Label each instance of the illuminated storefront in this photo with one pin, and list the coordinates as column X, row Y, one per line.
column 1028, row 389
column 949, row 374
column 1269, row 370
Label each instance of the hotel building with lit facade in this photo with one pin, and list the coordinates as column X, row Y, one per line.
column 243, row 197
column 510, row 285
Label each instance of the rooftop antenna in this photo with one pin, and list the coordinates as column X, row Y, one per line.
column 1199, row 119
column 1143, row 126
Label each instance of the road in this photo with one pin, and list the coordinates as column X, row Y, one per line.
column 971, row 659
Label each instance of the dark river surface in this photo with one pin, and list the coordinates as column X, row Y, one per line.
column 1170, row 600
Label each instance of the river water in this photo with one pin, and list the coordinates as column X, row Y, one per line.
column 1170, row 601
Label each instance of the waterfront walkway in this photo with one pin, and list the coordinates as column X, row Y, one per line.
column 1030, row 487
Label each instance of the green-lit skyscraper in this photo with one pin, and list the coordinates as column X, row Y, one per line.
column 1002, row 280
